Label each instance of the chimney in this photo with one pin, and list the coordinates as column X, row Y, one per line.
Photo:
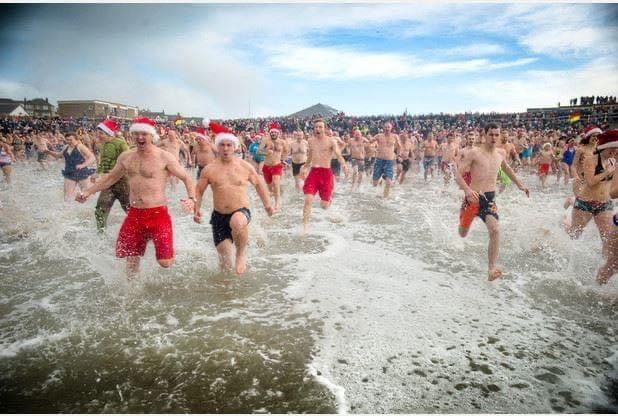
column 46, row 101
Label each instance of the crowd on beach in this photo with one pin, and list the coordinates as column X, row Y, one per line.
column 135, row 161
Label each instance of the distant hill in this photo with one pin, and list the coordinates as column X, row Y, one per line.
column 314, row 110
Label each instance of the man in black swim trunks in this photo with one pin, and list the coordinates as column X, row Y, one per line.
column 228, row 177
column 483, row 164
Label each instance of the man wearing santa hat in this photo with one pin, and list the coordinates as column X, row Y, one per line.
column 203, row 151
column 275, row 149
column 111, row 148
column 172, row 144
column 228, row 177
column 148, row 169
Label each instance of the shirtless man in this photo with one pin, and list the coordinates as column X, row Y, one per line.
column 147, row 168
column 357, row 157
column 6, row 158
column 228, row 177
column 171, row 144
column 335, row 165
column 111, row 146
column 385, row 158
column 483, row 163
column 41, row 144
column 450, row 149
column 203, row 151
column 298, row 147
column 469, row 143
column 405, row 152
column 320, row 178
column 430, row 149
column 275, row 148
column 371, row 149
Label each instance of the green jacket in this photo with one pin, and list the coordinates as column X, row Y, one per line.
column 109, row 154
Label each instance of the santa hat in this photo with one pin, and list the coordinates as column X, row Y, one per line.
column 108, row 126
column 145, row 125
column 221, row 133
column 200, row 132
column 590, row 130
column 274, row 126
column 607, row 140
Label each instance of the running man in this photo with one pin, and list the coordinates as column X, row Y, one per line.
column 430, row 150
column 228, row 177
column 384, row 166
column 147, row 168
column 6, row 159
column 320, row 178
column 110, row 150
column 357, row 157
column 483, row 164
column 203, row 151
column 298, row 147
column 275, row 149
column 404, row 153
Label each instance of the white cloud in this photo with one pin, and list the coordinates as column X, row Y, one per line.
column 565, row 41
column 542, row 88
column 470, row 50
column 348, row 64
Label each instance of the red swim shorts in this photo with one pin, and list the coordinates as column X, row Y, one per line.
column 141, row 225
column 320, row 180
column 270, row 171
column 544, row 169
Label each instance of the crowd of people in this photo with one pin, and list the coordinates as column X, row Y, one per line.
column 483, row 153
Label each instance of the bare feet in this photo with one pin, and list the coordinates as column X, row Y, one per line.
column 493, row 274
column 241, row 264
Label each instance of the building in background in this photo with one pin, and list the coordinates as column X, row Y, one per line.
column 96, row 109
column 38, row 107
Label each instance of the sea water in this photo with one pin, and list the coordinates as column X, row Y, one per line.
column 380, row 308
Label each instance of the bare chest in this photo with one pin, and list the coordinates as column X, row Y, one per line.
column 145, row 167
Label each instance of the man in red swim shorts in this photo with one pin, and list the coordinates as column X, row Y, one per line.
column 276, row 149
column 148, row 169
column 320, row 178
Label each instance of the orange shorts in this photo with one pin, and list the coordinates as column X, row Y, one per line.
column 486, row 206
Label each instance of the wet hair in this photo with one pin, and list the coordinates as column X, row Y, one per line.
column 490, row 126
column 318, row 120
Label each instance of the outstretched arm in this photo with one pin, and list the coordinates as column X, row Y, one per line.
column 108, row 180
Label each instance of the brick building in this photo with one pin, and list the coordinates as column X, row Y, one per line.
column 96, row 109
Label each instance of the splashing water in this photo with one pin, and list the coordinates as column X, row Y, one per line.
column 381, row 308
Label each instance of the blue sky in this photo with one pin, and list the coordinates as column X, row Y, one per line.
column 230, row 60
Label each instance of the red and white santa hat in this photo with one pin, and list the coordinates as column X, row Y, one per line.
column 145, row 125
column 590, row 130
column 607, row 140
column 222, row 134
column 200, row 133
column 108, row 126
column 274, row 126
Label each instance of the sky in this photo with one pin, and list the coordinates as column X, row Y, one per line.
column 224, row 60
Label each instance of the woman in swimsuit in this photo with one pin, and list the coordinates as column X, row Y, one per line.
column 77, row 158
column 593, row 199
